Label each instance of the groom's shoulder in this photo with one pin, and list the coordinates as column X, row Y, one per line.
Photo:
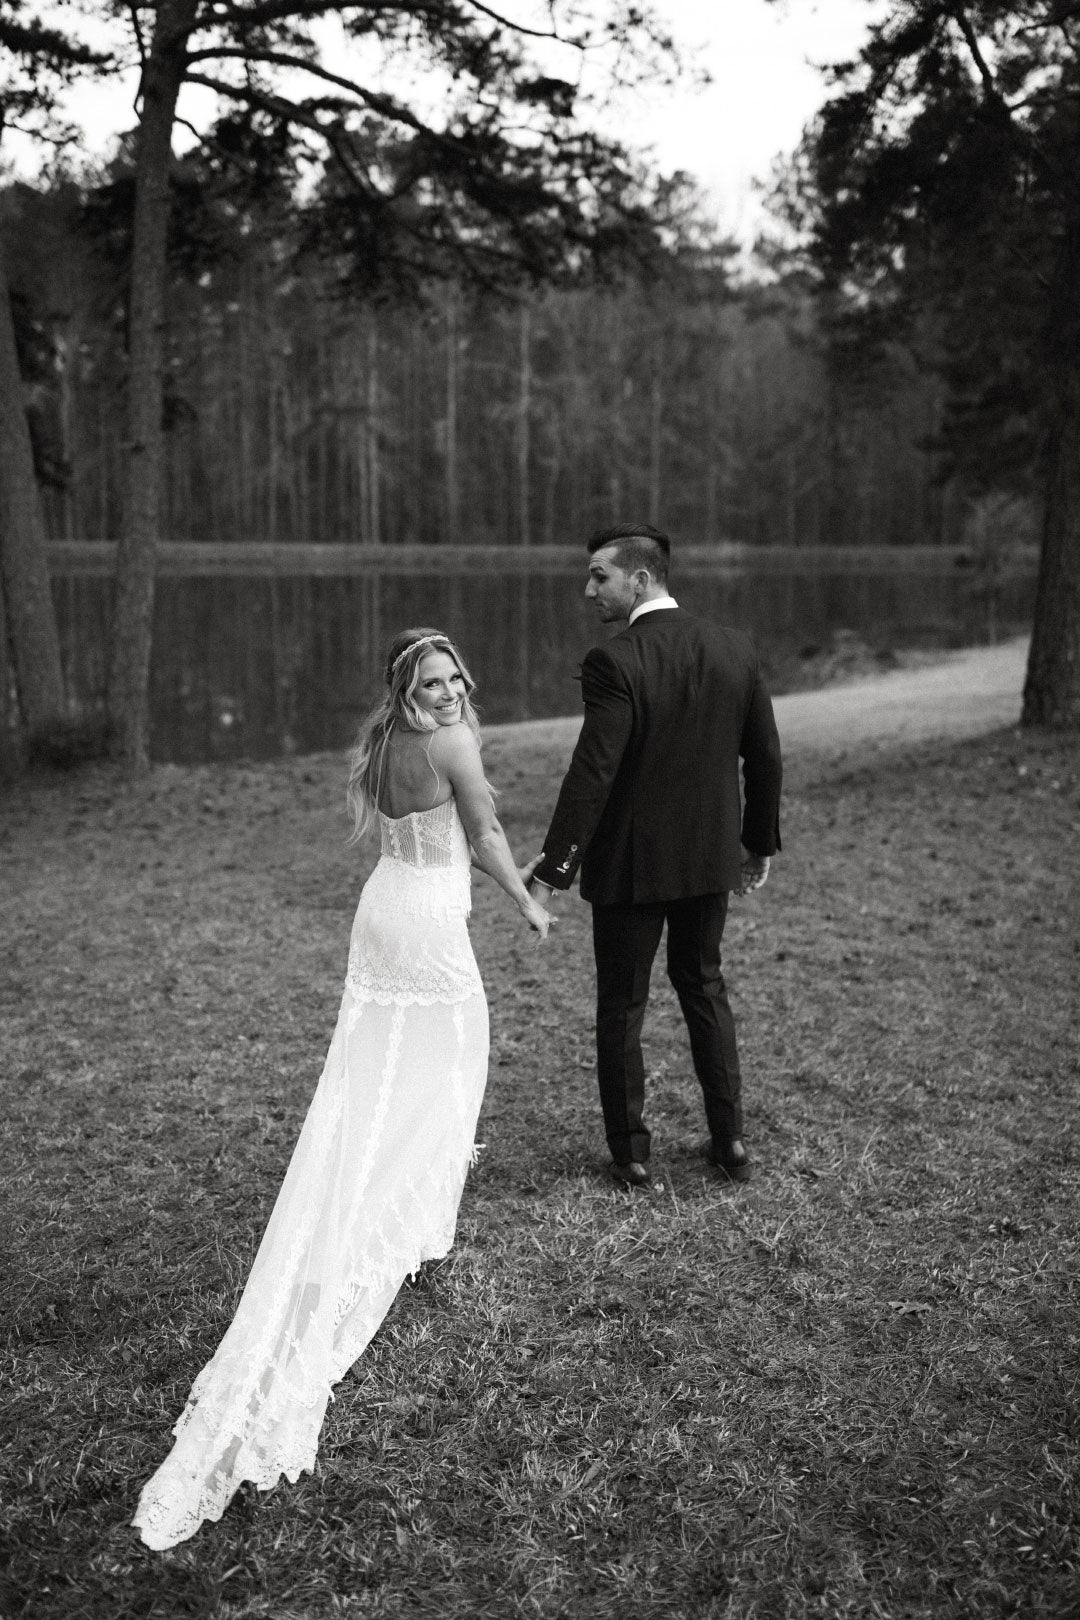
column 605, row 653
column 625, row 649
column 673, row 626
column 679, row 624
column 726, row 639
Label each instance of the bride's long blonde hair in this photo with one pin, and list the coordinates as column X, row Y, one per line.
column 398, row 708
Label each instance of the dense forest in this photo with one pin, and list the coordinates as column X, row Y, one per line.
column 343, row 315
column 697, row 393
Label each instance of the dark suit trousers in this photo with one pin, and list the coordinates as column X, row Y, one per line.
column 625, row 940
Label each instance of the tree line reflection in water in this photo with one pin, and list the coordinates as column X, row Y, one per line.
column 256, row 667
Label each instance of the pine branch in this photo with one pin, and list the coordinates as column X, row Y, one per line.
column 306, row 114
column 520, row 28
column 963, row 22
column 32, row 40
column 375, row 100
column 136, row 28
column 272, row 11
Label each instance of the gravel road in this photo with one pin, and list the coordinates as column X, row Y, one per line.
column 963, row 695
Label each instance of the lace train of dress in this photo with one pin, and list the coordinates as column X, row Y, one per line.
column 372, row 1188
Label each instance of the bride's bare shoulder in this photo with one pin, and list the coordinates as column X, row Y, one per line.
column 457, row 738
column 454, row 745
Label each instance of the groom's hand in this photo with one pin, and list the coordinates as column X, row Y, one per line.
column 543, row 891
column 525, row 873
column 755, row 869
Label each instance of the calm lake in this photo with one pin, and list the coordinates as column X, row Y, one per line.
column 254, row 667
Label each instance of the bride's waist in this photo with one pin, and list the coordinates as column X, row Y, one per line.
column 423, row 890
column 441, row 871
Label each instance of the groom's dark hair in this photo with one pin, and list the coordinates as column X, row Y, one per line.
column 637, row 545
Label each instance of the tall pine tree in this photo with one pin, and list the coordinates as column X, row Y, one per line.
column 501, row 180
column 38, row 60
column 941, row 194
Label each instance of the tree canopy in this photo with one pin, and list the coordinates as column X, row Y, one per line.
column 38, row 59
column 939, row 194
column 424, row 137
column 494, row 176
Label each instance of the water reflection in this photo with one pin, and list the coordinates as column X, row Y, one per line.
column 250, row 667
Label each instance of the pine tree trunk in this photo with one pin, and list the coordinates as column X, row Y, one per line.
column 524, row 518
column 374, row 515
column 31, row 617
column 524, row 412
column 10, row 762
column 65, row 347
column 453, row 502
column 1052, row 687
column 656, row 429
column 129, row 673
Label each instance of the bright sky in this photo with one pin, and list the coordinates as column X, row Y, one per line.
column 762, row 60
column 765, row 86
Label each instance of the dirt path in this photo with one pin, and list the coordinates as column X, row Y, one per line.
column 966, row 694
column 962, row 695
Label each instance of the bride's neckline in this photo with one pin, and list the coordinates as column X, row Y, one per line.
column 409, row 814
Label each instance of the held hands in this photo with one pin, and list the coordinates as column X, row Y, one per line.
column 532, row 883
column 534, row 914
column 755, row 869
column 531, row 908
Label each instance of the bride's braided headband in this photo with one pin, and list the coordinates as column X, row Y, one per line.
column 421, row 641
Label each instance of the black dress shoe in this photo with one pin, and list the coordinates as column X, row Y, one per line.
column 633, row 1174
column 735, row 1167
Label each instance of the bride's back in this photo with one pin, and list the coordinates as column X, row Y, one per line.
column 410, row 781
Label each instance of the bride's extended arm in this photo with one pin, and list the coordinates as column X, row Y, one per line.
column 456, row 756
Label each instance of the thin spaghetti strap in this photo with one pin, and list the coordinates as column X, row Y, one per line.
column 435, row 773
column 388, row 727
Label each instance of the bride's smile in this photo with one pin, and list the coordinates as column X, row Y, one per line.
column 440, row 688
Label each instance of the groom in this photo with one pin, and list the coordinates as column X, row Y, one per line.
column 650, row 811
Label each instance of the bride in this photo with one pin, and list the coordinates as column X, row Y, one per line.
column 374, row 1182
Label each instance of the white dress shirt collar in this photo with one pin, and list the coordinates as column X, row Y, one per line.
column 651, row 607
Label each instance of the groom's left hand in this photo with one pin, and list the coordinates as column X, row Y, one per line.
column 525, row 873
column 544, row 891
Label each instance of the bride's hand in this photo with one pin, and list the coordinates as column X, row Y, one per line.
column 537, row 918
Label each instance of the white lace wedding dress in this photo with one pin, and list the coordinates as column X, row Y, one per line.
column 372, row 1188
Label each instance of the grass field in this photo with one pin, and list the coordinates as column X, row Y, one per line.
column 847, row 1389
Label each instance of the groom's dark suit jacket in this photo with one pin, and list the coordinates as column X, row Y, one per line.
column 650, row 806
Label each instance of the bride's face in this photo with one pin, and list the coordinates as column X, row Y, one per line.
column 440, row 688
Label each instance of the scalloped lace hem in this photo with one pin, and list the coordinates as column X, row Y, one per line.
column 379, row 996
column 175, row 1502
column 371, row 1191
